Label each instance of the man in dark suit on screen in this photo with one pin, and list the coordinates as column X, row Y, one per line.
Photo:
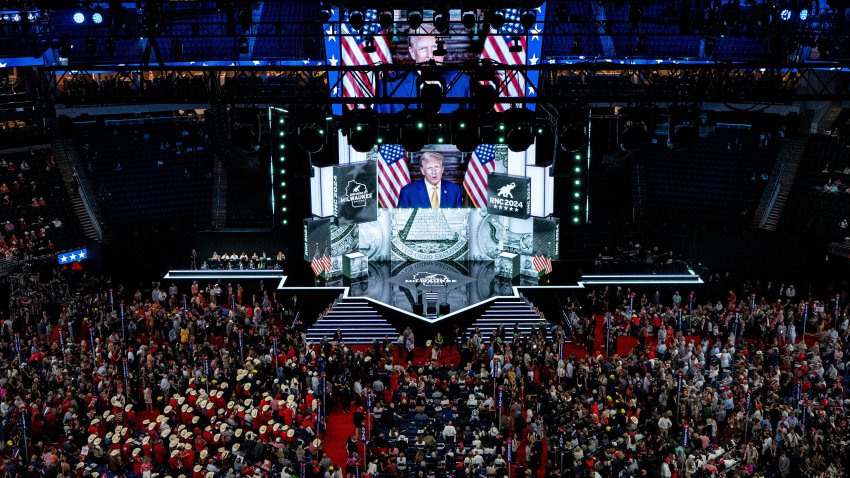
column 431, row 191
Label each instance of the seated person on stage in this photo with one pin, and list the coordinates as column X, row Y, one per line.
column 215, row 256
column 431, row 191
column 421, row 46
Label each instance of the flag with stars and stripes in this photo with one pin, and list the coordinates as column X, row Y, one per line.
column 481, row 163
column 326, row 263
column 542, row 263
column 515, row 84
column 362, row 84
column 317, row 266
column 392, row 173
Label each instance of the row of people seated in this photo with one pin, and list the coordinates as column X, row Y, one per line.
column 244, row 261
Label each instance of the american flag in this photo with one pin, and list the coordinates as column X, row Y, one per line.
column 481, row 163
column 392, row 173
column 326, row 263
column 512, row 83
column 542, row 263
column 318, row 267
column 362, row 84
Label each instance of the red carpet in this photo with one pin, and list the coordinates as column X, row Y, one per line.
column 599, row 335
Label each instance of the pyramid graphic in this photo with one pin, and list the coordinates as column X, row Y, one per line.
column 427, row 225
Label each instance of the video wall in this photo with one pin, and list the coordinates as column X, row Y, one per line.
column 438, row 204
column 353, row 207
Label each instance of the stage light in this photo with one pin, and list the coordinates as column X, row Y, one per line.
column 785, row 15
column 804, row 14
column 527, row 19
column 572, row 136
column 441, row 48
column 97, row 16
column 465, row 130
column 468, row 19
column 312, row 130
column 485, row 90
column 519, row 123
column 516, row 46
column 413, row 130
column 362, row 129
column 244, row 46
column 324, row 13
column 386, row 20
column 497, row 20
column 432, row 87
column 79, row 18
column 369, row 46
column 414, row 19
column 633, row 135
column 355, row 18
column 441, row 20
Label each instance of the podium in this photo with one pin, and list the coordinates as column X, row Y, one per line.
column 507, row 264
column 354, row 265
column 430, row 306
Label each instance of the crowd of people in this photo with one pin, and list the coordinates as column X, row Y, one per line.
column 100, row 380
column 32, row 200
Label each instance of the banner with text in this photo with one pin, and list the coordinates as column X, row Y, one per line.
column 509, row 195
column 355, row 193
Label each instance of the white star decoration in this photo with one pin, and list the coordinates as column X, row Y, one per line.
column 534, row 33
column 82, row 254
column 531, row 90
column 330, row 34
column 533, row 60
column 63, row 259
column 332, row 60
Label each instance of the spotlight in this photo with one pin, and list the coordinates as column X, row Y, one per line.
column 324, row 13
column 243, row 45
column 527, row 19
column 572, row 136
column 804, row 14
column 312, row 131
column 79, row 18
column 432, row 87
column 355, row 18
column 497, row 19
column 97, row 16
column 386, row 20
column 519, row 123
column 441, row 48
column 468, row 20
column 576, row 49
column 414, row 19
column 441, row 20
column 465, row 130
column 785, row 15
column 413, row 130
column 516, row 46
column 633, row 135
column 362, row 129
column 485, row 90
column 369, row 45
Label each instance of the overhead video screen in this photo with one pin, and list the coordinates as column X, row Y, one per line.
column 357, row 38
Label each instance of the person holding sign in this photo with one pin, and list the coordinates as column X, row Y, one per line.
column 431, row 191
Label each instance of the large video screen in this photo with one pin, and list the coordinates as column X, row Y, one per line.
column 364, row 42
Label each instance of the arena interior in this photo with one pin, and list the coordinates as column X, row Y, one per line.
column 458, row 239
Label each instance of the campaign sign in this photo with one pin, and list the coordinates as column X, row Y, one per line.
column 355, row 188
column 509, row 195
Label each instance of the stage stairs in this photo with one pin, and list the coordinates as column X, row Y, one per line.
column 358, row 320
column 507, row 312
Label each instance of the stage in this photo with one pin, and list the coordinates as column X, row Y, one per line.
column 432, row 291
